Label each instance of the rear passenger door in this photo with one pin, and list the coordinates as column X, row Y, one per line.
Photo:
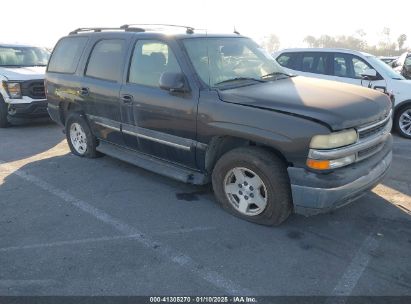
column 315, row 65
column 100, row 87
column 155, row 121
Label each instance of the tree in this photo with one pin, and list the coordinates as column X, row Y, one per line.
column 401, row 41
column 271, row 43
column 311, row 41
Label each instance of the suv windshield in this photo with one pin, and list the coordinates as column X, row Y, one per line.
column 380, row 65
column 222, row 61
column 23, row 56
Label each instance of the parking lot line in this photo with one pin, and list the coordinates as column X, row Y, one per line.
column 353, row 273
column 101, row 239
column 63, row 243
column 166, row 252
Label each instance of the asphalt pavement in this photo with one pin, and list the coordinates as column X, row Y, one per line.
column 74, row 226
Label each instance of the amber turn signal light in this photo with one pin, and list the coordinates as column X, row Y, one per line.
column 318, row 164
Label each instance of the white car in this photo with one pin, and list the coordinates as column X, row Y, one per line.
column 22, row 94
column 353, row 67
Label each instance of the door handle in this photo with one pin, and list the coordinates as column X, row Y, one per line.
column 84, row 91
column 126, row 98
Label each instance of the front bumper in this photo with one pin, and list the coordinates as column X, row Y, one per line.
column 34, row 109
column 315, row 193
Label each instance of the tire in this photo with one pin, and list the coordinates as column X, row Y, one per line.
column 402, row 121
column 79, row 137
column 4, row 123
column 275, row 189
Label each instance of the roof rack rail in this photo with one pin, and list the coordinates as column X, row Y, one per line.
column 189, row 29
column 100, row 29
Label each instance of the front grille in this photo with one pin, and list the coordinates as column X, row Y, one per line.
column 375, row 129
column 372, row 131
column 34, row 89
column 369, row 151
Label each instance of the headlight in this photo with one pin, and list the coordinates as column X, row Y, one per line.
column 334, row 140
column 13, row 89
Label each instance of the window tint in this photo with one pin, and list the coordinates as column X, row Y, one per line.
column 341, row 66
column 288, row 60
column 359, row 66
column 106, row 60
column 66, row 55
column 150, row 59
column 306, row 62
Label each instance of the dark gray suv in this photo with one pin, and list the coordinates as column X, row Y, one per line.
column 206, row 108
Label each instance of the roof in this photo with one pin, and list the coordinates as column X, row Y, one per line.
column 340, row 50
column 153, row 30
column 159, row 35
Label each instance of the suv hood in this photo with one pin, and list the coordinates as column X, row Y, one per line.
column 338, row 105
column 23, row 73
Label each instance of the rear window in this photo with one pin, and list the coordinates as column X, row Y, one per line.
column 106, row 60
column 66, row 55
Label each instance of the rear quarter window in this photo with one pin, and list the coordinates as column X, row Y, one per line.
column 288, row 60
column 66, row 55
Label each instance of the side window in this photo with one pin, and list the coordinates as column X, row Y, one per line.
column 315, row 63
column 288, row 60
column 106, row 60
column 284, row 60
column 307, row 63
column 359, row 66
column 149, row 60
column 66, row 55
column 407, row 62
column 341, row 68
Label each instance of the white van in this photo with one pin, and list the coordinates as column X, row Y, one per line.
column 22, row 94
column 353, row 67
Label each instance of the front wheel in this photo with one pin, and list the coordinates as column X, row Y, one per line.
column 402, row 121
column 253, row 184
column 3, row 114
column 80, row 139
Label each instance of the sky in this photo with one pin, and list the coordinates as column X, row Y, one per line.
column 43, row 22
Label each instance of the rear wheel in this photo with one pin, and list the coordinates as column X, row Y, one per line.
column 80, row 139
column 3, row 114
column 403, row 121
column 253, row 184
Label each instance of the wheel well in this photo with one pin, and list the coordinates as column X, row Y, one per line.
column 401, row 105
column 222, row 144
column 67, row 107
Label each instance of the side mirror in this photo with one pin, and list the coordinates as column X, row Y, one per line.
column 394, row 64
column 369, row 74
column 173, row 82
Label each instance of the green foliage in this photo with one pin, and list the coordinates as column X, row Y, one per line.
column 385, row 47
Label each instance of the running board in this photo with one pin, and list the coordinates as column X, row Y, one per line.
column 153, row 164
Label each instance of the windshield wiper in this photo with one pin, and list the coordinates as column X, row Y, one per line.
column 276, row 74
column 239, row 79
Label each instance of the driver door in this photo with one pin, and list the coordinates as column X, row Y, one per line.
column 348, row 68
column 157, row 122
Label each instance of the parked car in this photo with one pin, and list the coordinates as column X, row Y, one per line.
column 403, row 65
column 22, row 95
column 388, row 60
column 355, row 68
column 206, row 108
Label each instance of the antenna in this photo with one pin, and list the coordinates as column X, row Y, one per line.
column 235, row 31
